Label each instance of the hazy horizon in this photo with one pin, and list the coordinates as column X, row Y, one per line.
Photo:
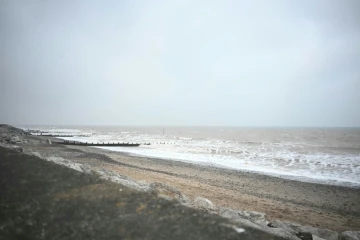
column 180, row 126
column 180, row 63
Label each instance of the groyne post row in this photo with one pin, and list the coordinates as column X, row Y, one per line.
column 111, row 144
column 57, row 135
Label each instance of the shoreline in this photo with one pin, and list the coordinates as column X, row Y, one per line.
column 340, row 170
column 318, row 205
column 296, row 178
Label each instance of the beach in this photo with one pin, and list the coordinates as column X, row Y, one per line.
column 279, row 206
column 318, row 205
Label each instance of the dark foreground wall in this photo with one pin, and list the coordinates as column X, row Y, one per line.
column 41, row 200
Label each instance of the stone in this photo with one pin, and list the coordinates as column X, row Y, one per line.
column 255, row 217
column 168, row 192
column 19, row 149
column 270, row 225
column 247, row 223
column 15, row 139
column 281, row 233
column 232, row 214
column 295, row 228
column 304, row 236
column 86, row 168
column 317, row 238
column 36, row 154
column 349, row 235
column 203, row 203
column 65, row 162
column 124, row 180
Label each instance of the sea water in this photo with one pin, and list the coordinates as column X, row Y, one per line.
column 327, row 155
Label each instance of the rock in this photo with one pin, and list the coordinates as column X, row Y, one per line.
column 255, row 217
column 317, row 238
column 295, row 228
column 86, row 168
column 168, row 192
column 203, row 203
column 19, row 149
column 36, row 154
column 349, row 235
column 281, row 233
column 124, row 180
column 15, row 139
column 232, row 214
column 65, row 162
column 49, row 141
column 270, row 225
column 246, row 223
column 304, row 236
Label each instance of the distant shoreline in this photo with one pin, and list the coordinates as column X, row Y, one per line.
column 174, row 126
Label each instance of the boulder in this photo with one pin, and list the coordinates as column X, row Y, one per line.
column 255, row 217
column 168, row 192
column 304, row 235
column 86, row 168
column 281, row 233
column 36, row 154
column 15, row 139
column 296, row 228
column 124, row 180
column 19, row 149
column 65, row 162
column 317, row 238
column 203, row 203
column 246, row 223
column 349, row 235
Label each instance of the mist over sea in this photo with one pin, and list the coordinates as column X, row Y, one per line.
column 326, row 155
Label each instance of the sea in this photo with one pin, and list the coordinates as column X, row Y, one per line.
column 322, row 155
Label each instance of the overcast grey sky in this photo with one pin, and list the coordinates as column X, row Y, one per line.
column 181, row 62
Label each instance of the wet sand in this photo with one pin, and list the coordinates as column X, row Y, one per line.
column 324, row 206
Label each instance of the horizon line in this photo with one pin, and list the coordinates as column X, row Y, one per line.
column 162, row 126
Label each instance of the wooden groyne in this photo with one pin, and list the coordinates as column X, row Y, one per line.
column 57, row 135
column 109, row 144
column 52, row 135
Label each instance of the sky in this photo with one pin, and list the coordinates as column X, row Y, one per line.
column 180, row 62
